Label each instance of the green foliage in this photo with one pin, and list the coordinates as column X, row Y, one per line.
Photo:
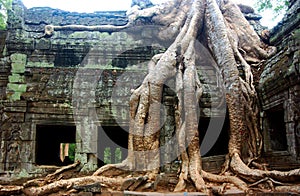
column 72, row 148
column 277, row 6
column 107, row 156
column 118, row 155
column 5, row 5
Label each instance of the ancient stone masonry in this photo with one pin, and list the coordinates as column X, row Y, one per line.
column 76, row 78
column 59, row 81
column 279, row 87
column 82, row 81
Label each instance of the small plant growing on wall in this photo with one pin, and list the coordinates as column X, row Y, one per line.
column 5, row 5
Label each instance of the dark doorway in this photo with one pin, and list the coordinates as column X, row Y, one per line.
column 220, row 128
column 112, row 144
column 135, row 56
column 69, row 57
column 50, row 139
column 277, row 129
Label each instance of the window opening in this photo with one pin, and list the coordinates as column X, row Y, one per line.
column 69, row 57
column 55, row 144
column 277, row 129
column 221, row 145
column 112, row 144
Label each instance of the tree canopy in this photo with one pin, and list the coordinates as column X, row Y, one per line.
column 4, row 6
column 277, row 6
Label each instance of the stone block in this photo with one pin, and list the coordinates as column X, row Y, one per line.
column 16, row 78
column 18, row 58
column 26, row 133
column 2, row 168
column 31, row 168
column 18, row 67
column 87, row 146
column 40, row 64
column 89, row 188
column 2, row 151
column 26, row 154
column 17, row 87
column 42, row 44
column 16, row 106
column 17, row 117
column 82, row 157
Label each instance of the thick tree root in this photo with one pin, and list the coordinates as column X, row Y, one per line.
column 11, row 190
column 51, row 177
column 65, row 185
column 252, row 175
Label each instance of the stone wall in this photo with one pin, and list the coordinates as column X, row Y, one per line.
column 78, row 78
column 279, row 86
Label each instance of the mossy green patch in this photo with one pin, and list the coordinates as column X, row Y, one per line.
column 39, row 64
column 79, row 35
column 14, row 96
column 16, row 78
column 17, row 87
column 18, row 58
column 18, row 67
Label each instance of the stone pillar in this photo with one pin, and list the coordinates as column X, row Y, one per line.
column 13, row 151
column 15, row 138
column 86, row 144
column 168, row 137
column 16, row 85
column 266, row 135
column 292, row 121
column 289, row 126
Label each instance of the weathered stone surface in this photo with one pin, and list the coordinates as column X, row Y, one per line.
column 93, row 188
column 281, row 77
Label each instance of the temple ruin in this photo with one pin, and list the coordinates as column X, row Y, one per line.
column 73, row 87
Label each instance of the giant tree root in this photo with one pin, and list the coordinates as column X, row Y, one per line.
column 58, row 174
column 66, row 185
column 10, row 190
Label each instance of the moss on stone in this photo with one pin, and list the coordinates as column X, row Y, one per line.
column 15, row 96
column 24, row 174
column 17, row 87
column 17, row 67
column 79, row 35
column 16, row 78
column 39, row 64
column 18, row 58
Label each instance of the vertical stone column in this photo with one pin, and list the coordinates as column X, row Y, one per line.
column 86, row 118
column 13, row 151
column 15, row 138
column 292, row 119
column 16, row 85
column 266, row 135
column 86, row 143
column 4, row 122
column 297, row 116
column 167, row 136
column 290, row 116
